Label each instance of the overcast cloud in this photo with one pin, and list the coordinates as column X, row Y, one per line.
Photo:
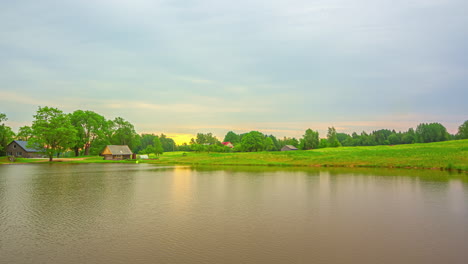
column 182, row 67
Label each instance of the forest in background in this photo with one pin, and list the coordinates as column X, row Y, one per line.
column 87, row 133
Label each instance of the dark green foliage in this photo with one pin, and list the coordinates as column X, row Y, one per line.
column 89, row 126
column 269, row 145
column 275, row 143
column 253, row 141
column 463, row 131
column 168, row 144
column 288, row 141
column 310, row 139
column 206, row 139
column 323, row 143
column 123, row 133
column 232, row 137
column 433, row 132
column 53, row 130
column 145, row 141
column 6, row 134
column 393, row 139
column 183, row 147
column 24, row 133
column 332, row 138
column 343, row 137
column 158, row 149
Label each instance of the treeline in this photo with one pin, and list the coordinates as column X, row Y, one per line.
column 256, row 141
column 87, row 133
column 83, row 132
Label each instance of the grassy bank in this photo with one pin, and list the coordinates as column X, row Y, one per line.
column 440, row 155
column 451, row 155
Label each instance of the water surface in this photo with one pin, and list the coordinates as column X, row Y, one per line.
column 138, row 213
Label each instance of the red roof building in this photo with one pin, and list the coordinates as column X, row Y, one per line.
column 228, row 144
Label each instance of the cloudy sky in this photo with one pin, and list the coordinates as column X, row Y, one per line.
column 277, row 66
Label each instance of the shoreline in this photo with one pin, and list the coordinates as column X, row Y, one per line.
column 351, row 166
column 449, row 156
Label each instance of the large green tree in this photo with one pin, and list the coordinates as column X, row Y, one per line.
column 158, row 148
column 269, row 144
column 310, row 139
column 232, row 137
column 253, row 141
column 168, row 144
column 6, row 134
column 89, row 126
column 145, row 141
column 207, row 138
column 463, row 130
column 123, row 133
column 24, row 133
column 105, row 139
column 52, row 130
column 332, row 138
column 432, row 132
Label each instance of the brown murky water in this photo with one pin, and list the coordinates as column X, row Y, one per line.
column 123, row 213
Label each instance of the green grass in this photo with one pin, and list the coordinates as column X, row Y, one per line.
column 441, row 155
column 449, row 155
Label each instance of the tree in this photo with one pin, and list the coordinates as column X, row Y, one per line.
column 393, row 139
column 463, row 130
column 288, row 141
column 124, row 133
column 275, row 143
column 343, row 137
column 310, row 139
column 253, row 141
column 52, row 130
column 146, row 140
column 323, row 143
column 232, row 137
column 207, row 139
column 6, row 134
column 168, row 144
column 332, row 138
column 24, row 133
column 158, row 149
column 105, row 139
column 408, row 137
column 269, row 145
column 89, row 126
column 432, row 132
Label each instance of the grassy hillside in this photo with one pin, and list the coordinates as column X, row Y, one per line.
column 445, row 155
column 440, row 155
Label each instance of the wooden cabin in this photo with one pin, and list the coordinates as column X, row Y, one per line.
column 19, row 148
column 117, row 152
column 288, row 148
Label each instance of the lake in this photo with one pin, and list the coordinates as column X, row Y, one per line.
column 139, row 213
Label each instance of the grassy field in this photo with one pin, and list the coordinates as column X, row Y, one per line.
column 451, row 155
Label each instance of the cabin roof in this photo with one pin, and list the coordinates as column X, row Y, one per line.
column 119, row 150
column 23, row 145
column 291, row 147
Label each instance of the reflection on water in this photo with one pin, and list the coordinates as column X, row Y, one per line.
column 129, row 213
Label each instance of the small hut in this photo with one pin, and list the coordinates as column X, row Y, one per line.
column 288, row 148
column 117, row 152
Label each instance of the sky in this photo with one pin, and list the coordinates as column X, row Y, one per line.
column 276, row 66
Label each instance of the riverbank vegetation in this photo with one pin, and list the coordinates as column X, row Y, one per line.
column 86, row 133
column 449, row 155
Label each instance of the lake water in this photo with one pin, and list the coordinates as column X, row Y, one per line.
column 139, row 213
